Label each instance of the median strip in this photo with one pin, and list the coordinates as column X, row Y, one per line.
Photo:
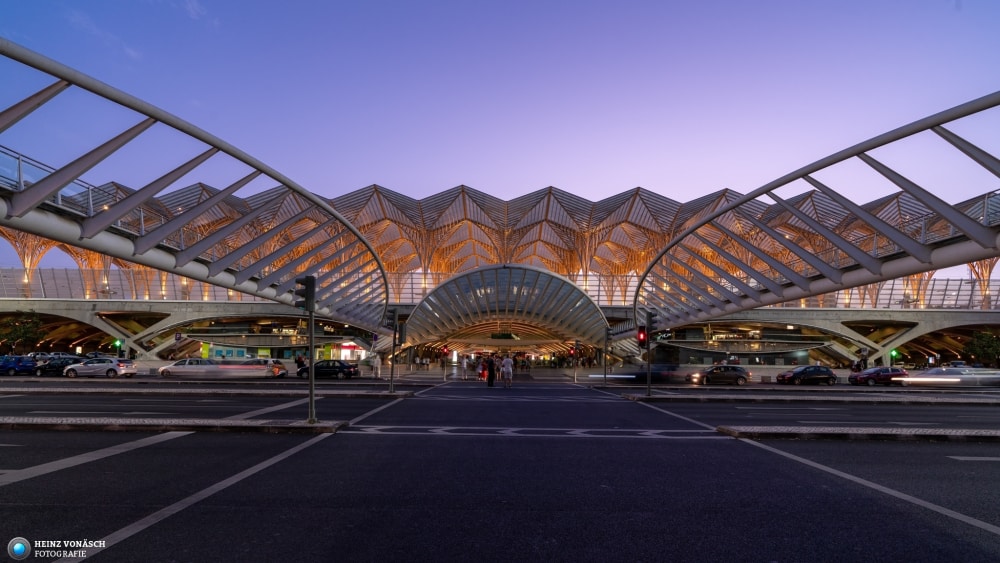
column 860, row 433
column 268, row 426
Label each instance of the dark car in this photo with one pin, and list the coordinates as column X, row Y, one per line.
column 808, row 374
column 721, row 374
column 331, row 368
column 54, row 366
column 878, row 376
column 13, row 365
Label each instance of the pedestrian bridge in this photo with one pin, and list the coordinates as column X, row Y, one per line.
column 91, row 308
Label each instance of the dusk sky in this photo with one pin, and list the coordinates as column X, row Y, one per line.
column 508, row 97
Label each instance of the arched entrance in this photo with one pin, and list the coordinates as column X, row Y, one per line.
column 507, row 308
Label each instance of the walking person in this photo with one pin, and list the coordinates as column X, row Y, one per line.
column 491, row 371
column 465, row 368
column 507, row 371
column 377, row 366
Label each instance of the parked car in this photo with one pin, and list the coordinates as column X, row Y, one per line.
column 99, row 355
column 331, row 368
column 273, row 366
column 111, row 367
column 807, row 374
column 878, row 376
column 53, row 355
column 190, row 366
column 13, row 365
column 721, row 374
column 54, row 366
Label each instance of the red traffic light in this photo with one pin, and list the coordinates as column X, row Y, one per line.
column 641, row 335
column 572, row 351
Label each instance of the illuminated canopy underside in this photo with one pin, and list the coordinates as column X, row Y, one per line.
column 507, row 306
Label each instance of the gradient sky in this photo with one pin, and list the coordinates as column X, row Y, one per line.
column 683, row 98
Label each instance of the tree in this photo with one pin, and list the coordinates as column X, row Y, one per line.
column 983, row 347
column 21, row 334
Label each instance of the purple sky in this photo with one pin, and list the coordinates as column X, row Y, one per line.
column 510, row 96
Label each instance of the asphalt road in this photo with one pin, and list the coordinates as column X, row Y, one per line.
column 460, row 472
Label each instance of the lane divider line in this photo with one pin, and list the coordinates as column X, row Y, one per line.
column 66, row 463
column 965, row 519
column 166, row 512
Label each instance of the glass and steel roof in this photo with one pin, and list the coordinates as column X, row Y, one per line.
column 718, row 254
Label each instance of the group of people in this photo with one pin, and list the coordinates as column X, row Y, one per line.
column 488, row 367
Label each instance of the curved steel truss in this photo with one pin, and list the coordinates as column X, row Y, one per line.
column 257, row 235
column 718, row 254
column 507, row 306
column 765, row 248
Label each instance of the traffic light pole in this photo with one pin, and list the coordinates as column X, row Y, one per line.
column 649, row 371
column 312, row 369
column 392, row 366
column 650, row 328
column 607, row 336
column 305, row 298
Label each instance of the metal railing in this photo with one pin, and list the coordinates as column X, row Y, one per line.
column 408, row 289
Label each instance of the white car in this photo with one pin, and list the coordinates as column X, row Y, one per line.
column 110, row 367
column 190, row 366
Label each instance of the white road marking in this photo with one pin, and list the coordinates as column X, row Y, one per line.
column 74, row 412
column 790, row 408
column 835, row 422
column 675, row 415
column 618, row 433
column 966, row 458
column 97, row 412
column 371, row 412
column 66, row 463
column 162, row 514
column 267, row 410
column 882, row 489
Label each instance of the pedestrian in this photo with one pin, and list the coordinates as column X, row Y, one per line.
column 507, row 371
column 465, row 368
column 491, row 371
column 377, row 366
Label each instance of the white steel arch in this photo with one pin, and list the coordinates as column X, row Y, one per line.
column 765, row 248
column 257, row 243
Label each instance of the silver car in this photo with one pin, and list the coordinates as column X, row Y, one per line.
column 110, row 367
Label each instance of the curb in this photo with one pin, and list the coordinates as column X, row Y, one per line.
column 761, row 398
column 860, row 433
column 267, row 426
column 355, row 394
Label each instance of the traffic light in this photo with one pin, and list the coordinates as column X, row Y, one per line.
column 642, row 336
column 650, row 321
column 305, row 293
column 572, row 351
